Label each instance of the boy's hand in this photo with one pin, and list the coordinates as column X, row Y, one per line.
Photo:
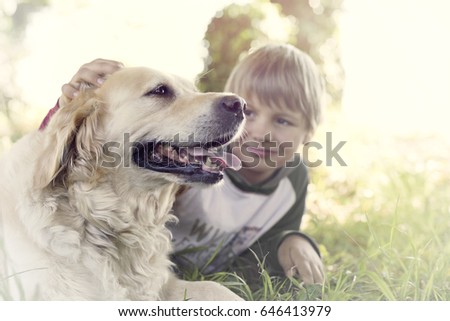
column 297, row 257
column 92, row 73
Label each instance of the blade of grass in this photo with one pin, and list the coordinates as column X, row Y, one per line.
column 382, row 285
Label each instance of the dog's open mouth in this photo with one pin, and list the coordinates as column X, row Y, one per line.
column 198, row 163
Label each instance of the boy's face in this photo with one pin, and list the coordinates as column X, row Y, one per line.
column 272, row 136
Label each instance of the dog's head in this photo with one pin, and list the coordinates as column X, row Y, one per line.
column 145, row 124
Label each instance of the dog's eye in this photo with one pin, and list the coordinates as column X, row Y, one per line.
column 160, row 90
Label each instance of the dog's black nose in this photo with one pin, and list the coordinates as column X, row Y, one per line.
column 233, row 104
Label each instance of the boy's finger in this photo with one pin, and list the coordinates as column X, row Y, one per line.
column 69, row 91
column 113, row 65
column 94, row 72
column 306, row 273
column 102, row 67
column 86, row 75
column 291, row 272
column 317, row 274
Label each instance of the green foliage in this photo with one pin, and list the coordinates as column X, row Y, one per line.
column 237, row 28
column 229, row 34
column 393, row 243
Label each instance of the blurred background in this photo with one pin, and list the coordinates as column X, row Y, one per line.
column 385, row 62
column 387, row 70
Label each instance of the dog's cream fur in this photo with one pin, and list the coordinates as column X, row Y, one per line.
column 74, row 229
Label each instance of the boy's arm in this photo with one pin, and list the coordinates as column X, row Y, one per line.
column 267, row 248
column 299, row 259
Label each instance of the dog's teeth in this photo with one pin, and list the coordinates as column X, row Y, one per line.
column 184, row 158
column 193, row 159
column 156, row 157
column 183, row 155
column 182, row 152
column 208, row 162
column 168, row 151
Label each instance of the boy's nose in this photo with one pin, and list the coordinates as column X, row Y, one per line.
column 257, row 130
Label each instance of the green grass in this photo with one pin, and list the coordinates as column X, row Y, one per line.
column 384, row 233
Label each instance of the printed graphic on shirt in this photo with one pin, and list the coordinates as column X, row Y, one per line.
column 200, row 232
column 225, row 223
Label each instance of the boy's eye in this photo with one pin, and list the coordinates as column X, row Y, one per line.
column 249, row 113
column 283, row 122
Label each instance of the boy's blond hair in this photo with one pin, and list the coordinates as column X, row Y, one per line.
column 281, row 75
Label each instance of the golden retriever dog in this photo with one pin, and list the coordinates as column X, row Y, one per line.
column 84, row 202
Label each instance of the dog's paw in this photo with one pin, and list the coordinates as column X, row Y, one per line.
column 180, row 290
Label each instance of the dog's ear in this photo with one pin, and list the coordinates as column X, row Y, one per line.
column 70, row 139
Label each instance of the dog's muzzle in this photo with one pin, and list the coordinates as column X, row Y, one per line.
column 197, row 161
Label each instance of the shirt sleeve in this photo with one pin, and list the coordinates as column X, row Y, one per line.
column 49, row 116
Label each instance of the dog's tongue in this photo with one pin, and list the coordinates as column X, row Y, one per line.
column 227, row 159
